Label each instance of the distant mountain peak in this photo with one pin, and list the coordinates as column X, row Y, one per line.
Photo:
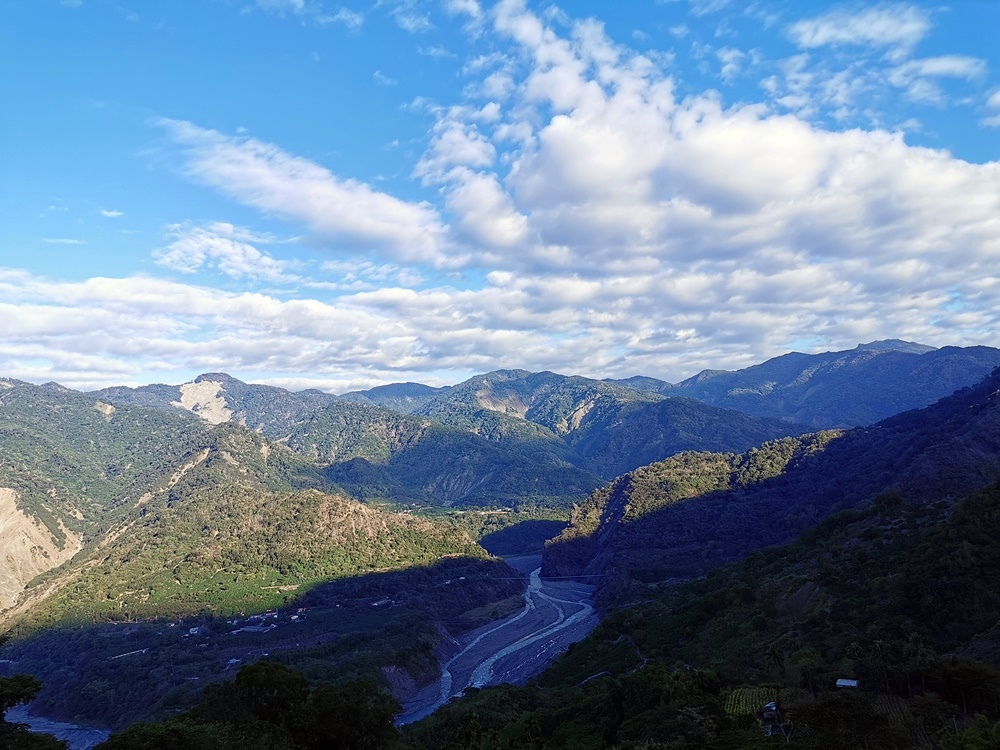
column 216, row 377
column 897, row 345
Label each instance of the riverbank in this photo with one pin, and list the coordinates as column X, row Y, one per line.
column 78, row 738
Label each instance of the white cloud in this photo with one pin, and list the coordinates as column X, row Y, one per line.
column 63, row 241
column 343, row 213
column 383, row 80
column 111, row 214
column 916, row 76
column 437, row 52
column 351, row 19
column 408, row 15
column 993, row 102
column 224, row 247
column 469, row 8
column 592, row 220
column 282, row 6
column 898, row 26
column 732, row 62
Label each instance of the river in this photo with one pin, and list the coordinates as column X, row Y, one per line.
column 79, row 738
column 555, row 614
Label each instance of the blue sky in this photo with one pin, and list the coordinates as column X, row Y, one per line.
column 322, row 195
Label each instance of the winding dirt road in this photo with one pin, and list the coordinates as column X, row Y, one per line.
column 555, row 614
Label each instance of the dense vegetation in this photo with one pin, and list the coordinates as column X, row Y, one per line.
column 190, row 528
column 901, row 596
column 76, row 462
column 603, row 427
column 638, row 531
column 382, row 627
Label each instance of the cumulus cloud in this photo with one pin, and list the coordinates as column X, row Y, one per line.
column 343, row 213
column 592, row 220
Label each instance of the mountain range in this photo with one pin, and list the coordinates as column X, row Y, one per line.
column 218, row 497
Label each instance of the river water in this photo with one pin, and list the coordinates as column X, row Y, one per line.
column 79, row 738
column 555, row 614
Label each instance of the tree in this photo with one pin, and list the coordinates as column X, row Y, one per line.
column 357, row 716
column 14, row 691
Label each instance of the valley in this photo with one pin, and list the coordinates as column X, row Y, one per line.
column 443, row 542
column 555, row 615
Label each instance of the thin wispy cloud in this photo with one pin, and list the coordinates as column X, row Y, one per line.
column 342, row 212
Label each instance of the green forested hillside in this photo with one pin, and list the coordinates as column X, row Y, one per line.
column 603, row 427
column 234, row 532
column 900, row 597
column 405, row 398
column 79, row 461
column 740, row 503
column 897, row 591
column 272, row 411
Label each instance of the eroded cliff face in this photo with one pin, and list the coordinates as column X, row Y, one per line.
column 206, row 400
column 27, row 548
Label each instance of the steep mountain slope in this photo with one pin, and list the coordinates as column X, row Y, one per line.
column 218, row 397
column 367, row 448
column 603, row 427
column 405, row 398
column 71, row 466
column 842, row 389
column 734, row 504
column 900, row 596
column 236, row 532
column 619, row 439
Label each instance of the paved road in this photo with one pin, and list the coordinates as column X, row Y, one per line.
column 555, row 614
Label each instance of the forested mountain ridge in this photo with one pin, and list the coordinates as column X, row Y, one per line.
column 684, row 515
column 603, row 427
column 567, row 423
column 844, row 389
column 218, row 397
column 236, row 531
column 405, row 398
column 900, row 596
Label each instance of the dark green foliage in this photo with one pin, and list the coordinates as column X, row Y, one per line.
column 14, row 691
column 271, row 707
column 600, row 426
column 735, row 504
column 339, row 635
column 272, row 411
column 75, row 465
column 21, row 688
column 899, row 593
column 402, row 397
